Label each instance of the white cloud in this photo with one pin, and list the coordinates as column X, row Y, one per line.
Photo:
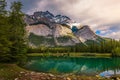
column 114, row 35
column 87, row 11
column 99, row 14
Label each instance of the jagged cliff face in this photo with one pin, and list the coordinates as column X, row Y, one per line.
column 85, row 33
column 55, row 30
column 60, row 31
column 40, row 30
column 60, row 35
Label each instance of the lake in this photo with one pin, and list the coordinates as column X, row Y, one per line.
column 80, row 66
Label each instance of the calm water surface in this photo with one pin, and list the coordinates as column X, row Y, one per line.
column 82, row 65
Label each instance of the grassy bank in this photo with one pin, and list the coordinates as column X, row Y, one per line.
column 71, row 54
column 9, row 71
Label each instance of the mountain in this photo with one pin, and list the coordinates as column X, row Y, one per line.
column 46, row 29
column 46, row 17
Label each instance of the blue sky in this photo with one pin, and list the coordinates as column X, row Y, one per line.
column 103, row 16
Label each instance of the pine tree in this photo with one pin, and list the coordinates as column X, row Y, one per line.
column 4, row 34
column 17, row 29
column 2, row 7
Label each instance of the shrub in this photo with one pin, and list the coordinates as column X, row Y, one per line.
column 116, row 51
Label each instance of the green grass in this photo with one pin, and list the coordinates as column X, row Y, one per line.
column 71, row 54
column 90, row 55
column 9, row 71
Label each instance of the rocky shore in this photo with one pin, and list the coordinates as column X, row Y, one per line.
column 49, row 76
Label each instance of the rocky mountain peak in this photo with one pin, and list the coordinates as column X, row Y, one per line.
column 46, row 16
column 46, row 29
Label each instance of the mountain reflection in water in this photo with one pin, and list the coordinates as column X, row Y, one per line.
column 82, row 65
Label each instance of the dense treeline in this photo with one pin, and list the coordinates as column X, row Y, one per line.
column 12, row 33
column 105, row 46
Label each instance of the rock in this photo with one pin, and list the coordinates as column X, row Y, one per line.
column 32, row 72
column 85, row 33
column 114, row 78
column 51, row 75
column 74, row 78
column 22, row 72
column 41, row 30
column 43, row 78
column 68, row 78
column 53, row 78
column 118, row 78
column 16, row 79
column 48, row 78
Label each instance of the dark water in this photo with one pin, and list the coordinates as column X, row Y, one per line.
column 83, row 65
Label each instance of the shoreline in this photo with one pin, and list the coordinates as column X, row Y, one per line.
column 14, row 72
column 69, row 55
